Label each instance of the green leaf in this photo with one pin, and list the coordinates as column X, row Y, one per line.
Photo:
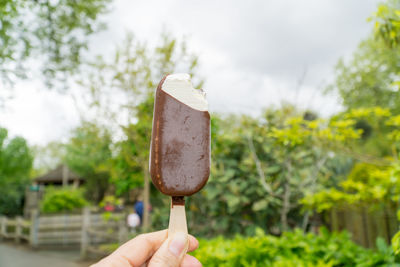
column 273, row 169
column 260, row 205
column 381, row 245
column 396, row 243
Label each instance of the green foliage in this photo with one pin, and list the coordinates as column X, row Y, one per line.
column 370, row 78
column 387, row 22
column 367, row 80
column 110, row 200
column 375, row 70
column 394, row 122
column 293, row 249
column 62, row 200
column 366, row 185
column 88, row 153
column 55, row 30
column 262, row 167
column 396, row 243
column 15, row 167
column 47, row 157
column 109, row 216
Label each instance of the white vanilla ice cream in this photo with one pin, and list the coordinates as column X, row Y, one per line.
column 180, row 87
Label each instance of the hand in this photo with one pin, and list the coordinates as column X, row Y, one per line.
column 153, row 250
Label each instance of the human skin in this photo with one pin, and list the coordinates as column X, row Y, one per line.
column 154, row 250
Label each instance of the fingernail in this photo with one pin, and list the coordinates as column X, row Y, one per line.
column 178, row 243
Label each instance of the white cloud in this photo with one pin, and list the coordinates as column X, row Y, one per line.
column 38, row 115
column 252, row 54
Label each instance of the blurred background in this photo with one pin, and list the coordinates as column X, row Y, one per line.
column 305, row 116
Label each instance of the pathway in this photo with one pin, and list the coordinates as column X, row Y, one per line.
column 21, row 256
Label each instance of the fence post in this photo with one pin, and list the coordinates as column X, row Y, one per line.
column 85, row 240
column 3, row 221
column 33, row 233
column 122, row 231
column 18, row 229
column 4, row 227
column 334, row 220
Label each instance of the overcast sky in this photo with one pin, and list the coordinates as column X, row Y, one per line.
column 252, row 55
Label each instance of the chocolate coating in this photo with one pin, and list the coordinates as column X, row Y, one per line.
column 180, row 146
column 178, row 201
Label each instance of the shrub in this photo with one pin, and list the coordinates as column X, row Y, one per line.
column 293, row 249
column 62, row 200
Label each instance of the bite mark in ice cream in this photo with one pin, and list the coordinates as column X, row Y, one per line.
column 180, row 87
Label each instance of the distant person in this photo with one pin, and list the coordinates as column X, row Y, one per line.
column 139, row 208
column 133, row 221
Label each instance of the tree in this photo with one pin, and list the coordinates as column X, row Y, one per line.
column 15, row 166
column 367, row 80
column 387, row 23
column 370, row 78
column 262, row 167
column 47, row 157
column 367, row 185
column 88, row 153
column 371, row 184
column 58, row 31
column 387, row 29
column 300, row 150
column 133, row 74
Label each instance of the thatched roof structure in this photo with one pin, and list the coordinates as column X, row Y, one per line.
column 57, row 176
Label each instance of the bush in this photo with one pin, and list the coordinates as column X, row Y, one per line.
column 293, row 249
column 62, row 200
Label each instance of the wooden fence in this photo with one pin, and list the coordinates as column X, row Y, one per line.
column 87, row 230
column 365, row 225
column 95, row 234
column 17, row 229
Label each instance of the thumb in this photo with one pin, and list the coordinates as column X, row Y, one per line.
column 171, row 252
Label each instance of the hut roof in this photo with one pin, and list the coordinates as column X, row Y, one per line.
column 56, row 175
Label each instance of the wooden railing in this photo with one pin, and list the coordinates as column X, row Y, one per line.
column 17, row 229
column 366, row 225
column 87, row 230
column 96, row 234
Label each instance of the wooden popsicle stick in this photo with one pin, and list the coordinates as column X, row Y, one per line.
column 177, row 221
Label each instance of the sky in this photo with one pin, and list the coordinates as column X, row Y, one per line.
column 253, row 55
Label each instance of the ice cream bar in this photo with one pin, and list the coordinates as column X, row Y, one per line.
column 180, row 142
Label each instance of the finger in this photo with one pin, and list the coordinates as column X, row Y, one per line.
column 190, row 261
column 171, row 251
column 193, row 243
column 140, row 249
column 135, row 252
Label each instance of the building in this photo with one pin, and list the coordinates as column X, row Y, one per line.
column 58, row 177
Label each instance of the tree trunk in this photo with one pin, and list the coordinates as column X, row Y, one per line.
column 306, row 220
column 313, row 184
column 65, row 175
column 285, row 207
column 146, row 200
